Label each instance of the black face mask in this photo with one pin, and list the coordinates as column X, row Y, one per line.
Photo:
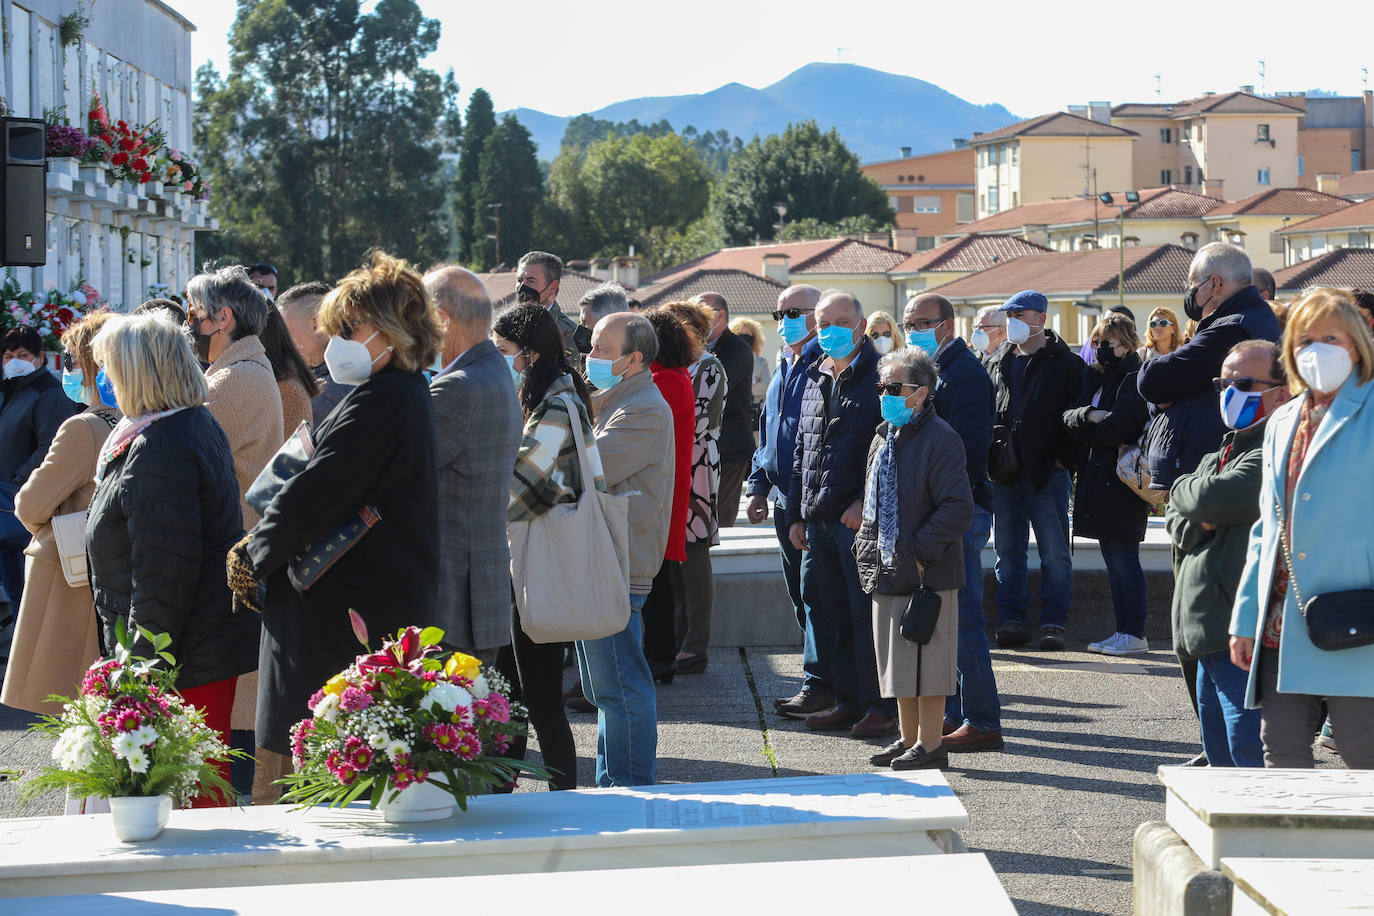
column 1106, row 356
column 1190, row 305
column 526, row 295
column 203, row 344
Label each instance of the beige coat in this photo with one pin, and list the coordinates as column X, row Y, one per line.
column 295, row 406
column 245, row 400
column 55, row 636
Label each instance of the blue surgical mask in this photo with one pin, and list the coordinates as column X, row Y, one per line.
column 837, row 342
column 924, row 339
column 74, row 386
column 599, row 373
column 1240, row 409
column 894, row 409
column 105, row 388
column 793, row 330
column 516, row 375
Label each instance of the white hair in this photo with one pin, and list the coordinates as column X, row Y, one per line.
column 991, row 314
column 1218, row 259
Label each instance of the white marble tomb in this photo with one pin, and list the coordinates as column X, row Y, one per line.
column 1300, row 887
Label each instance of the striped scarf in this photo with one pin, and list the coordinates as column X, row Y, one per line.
column 880, row 497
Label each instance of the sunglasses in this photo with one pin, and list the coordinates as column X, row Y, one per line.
column 1161, row 323
column 780, row 314
column 1244, row 384
column 896, row 387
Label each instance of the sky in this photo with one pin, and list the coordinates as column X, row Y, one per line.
column 567, row 58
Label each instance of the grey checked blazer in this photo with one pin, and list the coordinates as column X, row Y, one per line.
column 477, row 430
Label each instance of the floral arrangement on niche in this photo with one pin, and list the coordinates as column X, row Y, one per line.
column 50, row 314
column 182, row 172
column 128, row 149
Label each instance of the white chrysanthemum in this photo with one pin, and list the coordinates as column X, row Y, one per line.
column 125, row 743
column 480, row 688
column 447, row 697
column 78, row 297
column 145, row 736
column 75, row 749
column 396, row 747
column 137, row 760
column 376, row 740
column 328, row 708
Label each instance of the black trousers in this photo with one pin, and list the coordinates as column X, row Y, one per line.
column 660, row 621
column 535, row 671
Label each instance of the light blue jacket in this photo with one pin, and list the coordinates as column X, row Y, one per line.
column 1332, row 519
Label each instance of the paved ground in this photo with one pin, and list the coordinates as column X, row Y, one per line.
column 1054, row 811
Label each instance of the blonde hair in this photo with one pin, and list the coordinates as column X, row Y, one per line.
column 694, row 316
column 878, row 317
column 1175, row 331
column 1118, row 326
column 753, row 329
column 1314, row 305
column 151, row 363
column 77, row 341
column 388, row 294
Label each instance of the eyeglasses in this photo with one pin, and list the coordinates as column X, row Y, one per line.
column 1161, row 323
column 1244, row 383
column 923, row 324
column 986, row 327
column 780, row 314
column 896, row 387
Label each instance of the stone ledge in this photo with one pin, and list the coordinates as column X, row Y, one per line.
column 1170, row 880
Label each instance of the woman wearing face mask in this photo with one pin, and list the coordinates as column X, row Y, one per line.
column 547, row 473
column 1313, row 542
column 916, row 508
column 883, row 331
column 1164, row 335
column 376, row 449
column 1109, row 414
column 54, row 637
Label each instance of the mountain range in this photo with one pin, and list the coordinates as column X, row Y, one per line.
column 875, row 112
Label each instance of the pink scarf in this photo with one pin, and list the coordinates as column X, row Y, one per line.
column 123, row 435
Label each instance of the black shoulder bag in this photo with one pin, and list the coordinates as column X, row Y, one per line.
column 921, row 615
column 1335, row 620
column 1004, row 460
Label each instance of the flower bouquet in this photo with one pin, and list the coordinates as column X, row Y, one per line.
column 127, row 149
column 401, row 717
column 130, row 735
column 50, row 314
column 182, row 173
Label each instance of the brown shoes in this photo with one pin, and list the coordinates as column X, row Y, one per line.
column 834, row 720
column 874, row 725
column 968, row 738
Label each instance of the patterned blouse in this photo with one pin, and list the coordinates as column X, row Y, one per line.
column 708, row 388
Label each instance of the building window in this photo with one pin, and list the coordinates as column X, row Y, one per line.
column 1015, row 198
column 1261, row 131
column 901, row 178
column 1299, row 164
column 894, row 203
column 1187, row 174
column 927, row 204
column 924, row 243
column 1166, row 177
column 1186, row 131
column 1263, row 176
column 1166, row 135
column 982, row 203
column 992, row 199
column 1354, row 160
column 963, row 208
column 1358, row 240
column 1015, row 150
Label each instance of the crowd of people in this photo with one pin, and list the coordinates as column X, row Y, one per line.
column 887, row 449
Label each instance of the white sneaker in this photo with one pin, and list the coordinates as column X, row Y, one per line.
column 1102, row 645
column 1125, row 644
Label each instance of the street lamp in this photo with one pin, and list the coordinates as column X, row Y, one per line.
column 782, row 218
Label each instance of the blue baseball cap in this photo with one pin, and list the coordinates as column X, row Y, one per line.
column 1027, row 299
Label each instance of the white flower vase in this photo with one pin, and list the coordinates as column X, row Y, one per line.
column 419, row 801
column 140, row 818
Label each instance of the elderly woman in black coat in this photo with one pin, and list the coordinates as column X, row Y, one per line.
column 1111, row 414
column 917, row 508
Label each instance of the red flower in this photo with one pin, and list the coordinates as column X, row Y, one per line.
column 127, row 145
column 121, row 125
column 108, row 138
column 140, row 164
column 119, row 159
column 145, row 177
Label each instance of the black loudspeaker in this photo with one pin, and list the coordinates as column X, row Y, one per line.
column 23, row 161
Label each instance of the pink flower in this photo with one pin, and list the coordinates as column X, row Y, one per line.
column 494, row 707
column 443, row 736
column 467, row 745
column 357, row 754
column 301, row 731
column 354, row 700
column 314, row 700
column 403, row 776
column 127, row 720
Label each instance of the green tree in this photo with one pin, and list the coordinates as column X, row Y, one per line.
column 811, row 228
column 813, row 173
column 511, row 185
column 469, row 209
column 325, row 137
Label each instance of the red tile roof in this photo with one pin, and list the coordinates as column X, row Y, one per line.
column 1344, row 267
column 969, row 253
column 747, row 257
column 1357, row 184
column 1155, row 203
column 1056, row 124
column 1232, row 103
column 1152, row 268
column 851, row 256
column 1282, row 202
column 1351, row 216
column 573, row 285
column 1143, row 110
column 746, row 293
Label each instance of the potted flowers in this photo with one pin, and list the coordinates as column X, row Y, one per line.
column 50, row 314
column 408, row 727
column 131, row 738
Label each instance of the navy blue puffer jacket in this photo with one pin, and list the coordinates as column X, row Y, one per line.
column 838, row 418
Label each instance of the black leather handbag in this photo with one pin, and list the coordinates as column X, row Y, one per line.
column 921, row 616
column 1335, row 620
column 1004, row 464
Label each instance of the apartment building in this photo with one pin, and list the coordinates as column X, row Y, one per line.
column 931, row 194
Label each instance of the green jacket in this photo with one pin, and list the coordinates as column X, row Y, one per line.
column 1210, row 563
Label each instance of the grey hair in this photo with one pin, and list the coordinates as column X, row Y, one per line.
column 1263, row 281
column 843, row 294
column 459, row 294
column 230, row 287
column 1228, row 262
column 640, row 337
column 606, row 299
column 991, row 314
column 913, row 364
column 551, row 264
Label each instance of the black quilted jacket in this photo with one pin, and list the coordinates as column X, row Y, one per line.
column 160, row 525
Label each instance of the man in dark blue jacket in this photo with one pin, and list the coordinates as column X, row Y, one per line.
column 964, row 399
column 839, row 415
column 772, row 472
column 1228, row 309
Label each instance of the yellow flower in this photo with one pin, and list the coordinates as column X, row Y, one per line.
column 336, row 684
column 460, row 665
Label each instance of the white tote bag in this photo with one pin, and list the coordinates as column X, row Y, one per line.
column 571, row 566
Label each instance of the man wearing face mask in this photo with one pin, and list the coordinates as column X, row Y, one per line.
column 964, row 399
column 537, row 276
column 1210, row 514
column 32, row 407
column 839, row 413
column 772, row 473
column 989, row 332
column 1036, row 379
column 299, row 306
column 1228, row 309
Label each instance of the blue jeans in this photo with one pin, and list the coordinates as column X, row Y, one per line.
column 814, row 676
column 841, row 616
column 975, row 701
column 1127, row 581
column 616, row 679
column 1230, row 732
column 1017, row 509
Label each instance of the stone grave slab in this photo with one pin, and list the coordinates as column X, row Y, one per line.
column 1300, row 887
column 764, row 820
column 963, row 883
column 1241, row 812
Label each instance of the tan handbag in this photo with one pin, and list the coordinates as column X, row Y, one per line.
column 69, row 534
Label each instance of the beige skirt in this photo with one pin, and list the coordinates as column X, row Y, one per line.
column 906, row 669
